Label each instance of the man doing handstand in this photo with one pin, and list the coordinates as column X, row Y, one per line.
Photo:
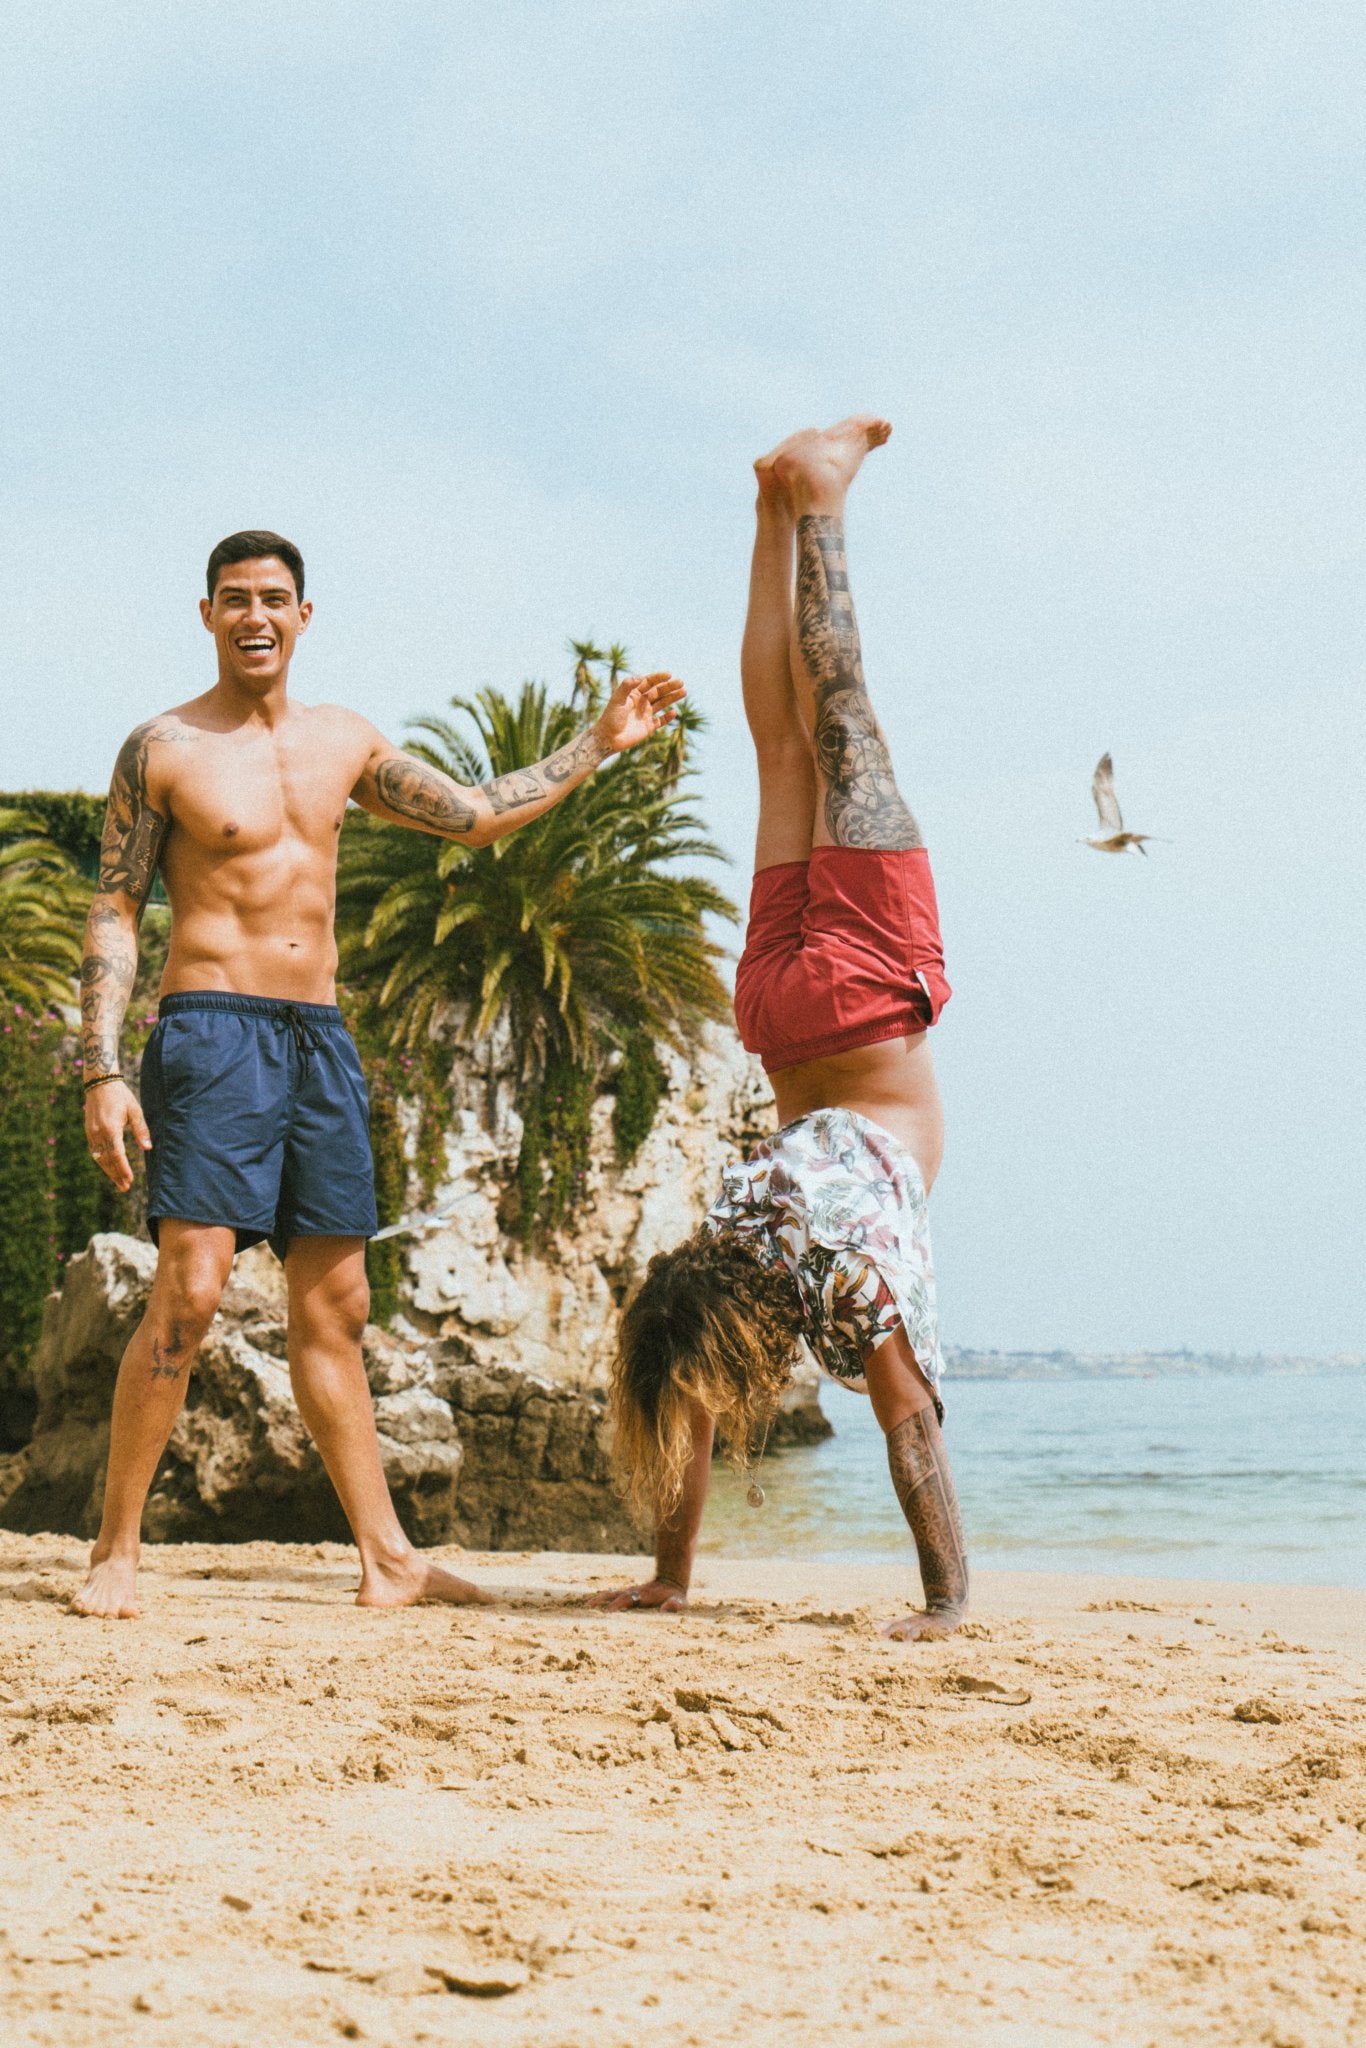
column 255, row 1121
column 822, row 1231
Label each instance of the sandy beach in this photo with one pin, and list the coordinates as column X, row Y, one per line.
column 1112, row 1811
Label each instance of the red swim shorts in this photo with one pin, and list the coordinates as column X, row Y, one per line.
column 842, row 950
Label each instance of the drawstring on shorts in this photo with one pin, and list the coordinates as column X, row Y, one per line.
column 303, row 1029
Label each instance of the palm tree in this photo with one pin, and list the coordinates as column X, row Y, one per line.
column 42, row 914
column 576, row 930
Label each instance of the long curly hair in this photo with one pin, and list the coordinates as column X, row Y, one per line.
column 711, row 1324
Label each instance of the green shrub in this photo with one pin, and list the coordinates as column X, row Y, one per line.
column 641, row 1082
column 69, row 818
column 28, row 1198
column 53, row 1197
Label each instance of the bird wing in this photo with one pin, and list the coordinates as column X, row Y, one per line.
column 1103, row 790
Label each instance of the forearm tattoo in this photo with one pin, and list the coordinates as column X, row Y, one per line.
column 924, row 1486
column 523, row 786
column 412, row 790
column 863, row 806
column 130, row 850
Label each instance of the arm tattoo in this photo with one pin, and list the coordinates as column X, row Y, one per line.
column 863, row 806
column 134, row 833
column 924, row 1486
column 412, row 790
column 130, row 850
column 107, row 971
column 525, row 786
column 416, row 792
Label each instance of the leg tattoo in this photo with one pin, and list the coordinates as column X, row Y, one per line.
column 863, row 806
column 924, row 1486
column 169, row 1355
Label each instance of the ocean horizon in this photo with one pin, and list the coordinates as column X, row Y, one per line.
column 1246, row 1474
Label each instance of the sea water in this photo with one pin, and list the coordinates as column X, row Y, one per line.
column 1222, row 1476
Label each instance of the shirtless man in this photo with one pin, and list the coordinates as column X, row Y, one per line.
column 255, row 1109
column 822, row 1231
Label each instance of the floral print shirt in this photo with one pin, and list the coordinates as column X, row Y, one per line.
column 841, row 1203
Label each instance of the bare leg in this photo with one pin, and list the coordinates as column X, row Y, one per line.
column 192, row 1270
column 782, row 745
column 328, row 1304
column 919, row 1465
column 860, row 804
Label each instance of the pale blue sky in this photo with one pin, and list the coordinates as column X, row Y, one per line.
column 490, row 309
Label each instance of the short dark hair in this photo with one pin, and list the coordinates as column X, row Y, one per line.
column 251, row 547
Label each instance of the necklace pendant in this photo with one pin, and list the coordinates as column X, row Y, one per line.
column 755, row 1496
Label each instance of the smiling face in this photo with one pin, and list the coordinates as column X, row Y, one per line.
column 255, row 617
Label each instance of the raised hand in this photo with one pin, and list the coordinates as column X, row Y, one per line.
column 637, row 707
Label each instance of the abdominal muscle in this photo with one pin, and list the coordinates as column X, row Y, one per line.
column 253, row 924
column 892, row 1084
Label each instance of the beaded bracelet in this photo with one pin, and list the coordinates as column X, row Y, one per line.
column 98, row 1081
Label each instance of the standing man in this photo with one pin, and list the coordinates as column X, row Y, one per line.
column 254, row 1113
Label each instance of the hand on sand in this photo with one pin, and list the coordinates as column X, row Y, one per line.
column 637, row 707
column 923, row 1628
column 659, row 1593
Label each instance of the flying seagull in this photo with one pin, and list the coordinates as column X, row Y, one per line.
column 1112, row 837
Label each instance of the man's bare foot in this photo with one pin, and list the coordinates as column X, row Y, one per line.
column 921, row 1628
column 403, row 1582
column 110, row 1590
column 773, row 495
column 817, row 467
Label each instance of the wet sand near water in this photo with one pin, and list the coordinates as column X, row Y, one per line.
column 1116, row 1811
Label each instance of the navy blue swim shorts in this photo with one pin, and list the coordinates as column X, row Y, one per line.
column 259, row 1120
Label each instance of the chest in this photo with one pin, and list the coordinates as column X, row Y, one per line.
column 236, row 794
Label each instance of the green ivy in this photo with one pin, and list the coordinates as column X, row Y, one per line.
column 391, row 1076
column 552, row 1165
column 28, row 1221
column 641, row 1082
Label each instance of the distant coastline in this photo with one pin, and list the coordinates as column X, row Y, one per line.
column 1087, row 1365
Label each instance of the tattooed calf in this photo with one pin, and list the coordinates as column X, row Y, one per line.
column 863, row 806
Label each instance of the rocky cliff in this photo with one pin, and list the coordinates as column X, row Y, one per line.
column 556, row 1313
column 489, row 1390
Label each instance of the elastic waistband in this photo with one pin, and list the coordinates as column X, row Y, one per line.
column 274, row 1007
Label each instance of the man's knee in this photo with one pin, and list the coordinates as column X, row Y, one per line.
column 189, row 1286
column 336, row 1307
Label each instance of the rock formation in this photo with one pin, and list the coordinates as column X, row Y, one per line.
column 240, row 1464
column 489, row 1391
column 554, row 1314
